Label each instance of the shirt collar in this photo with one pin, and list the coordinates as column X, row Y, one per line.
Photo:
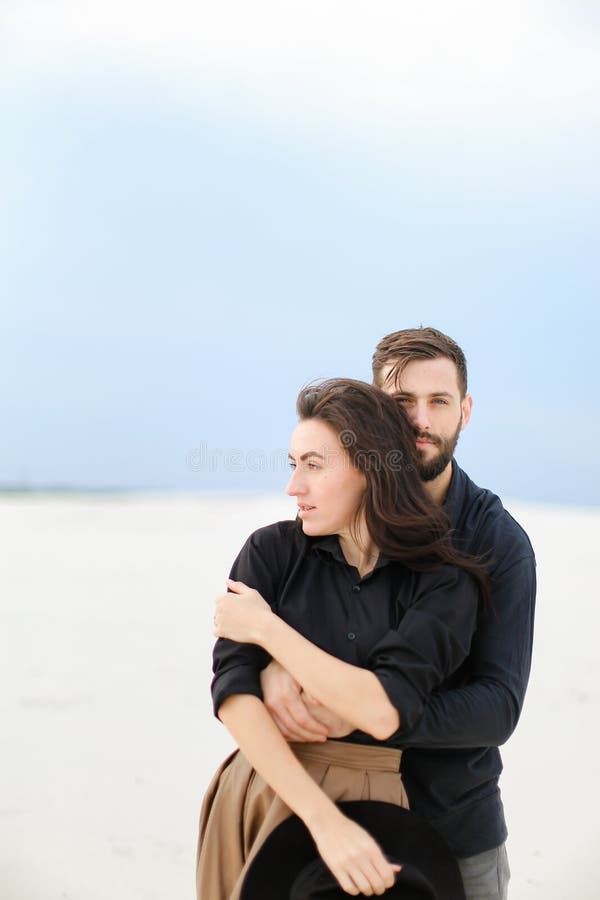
column 455, row 497
column 330, row 544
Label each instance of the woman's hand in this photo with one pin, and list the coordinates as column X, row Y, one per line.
column 282, row 695
column 298, row 715
column 353, row 857
column 335, row 725
column 240, row 614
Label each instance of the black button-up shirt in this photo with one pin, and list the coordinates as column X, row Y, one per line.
column 411, row 629
column 452, row 774
column 452, row 768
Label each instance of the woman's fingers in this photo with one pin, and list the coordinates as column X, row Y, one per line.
column 291, row 712
column 346, row 883
column 366, row 879
column 284, row 731
column 281, row 695
column 354, row 857
column 291, row 730
column 371, row 878
column 385, row 872
column 379, row 874
column 360, row 880
column 302, row 722
column 335, row 725
column 236, row 587
column 310, row 699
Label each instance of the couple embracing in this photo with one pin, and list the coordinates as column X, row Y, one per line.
column 372, row 655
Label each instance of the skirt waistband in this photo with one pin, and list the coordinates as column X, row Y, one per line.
column 352, row 756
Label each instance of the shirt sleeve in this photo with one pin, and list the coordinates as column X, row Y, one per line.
column 485, row 712
column 432, row 639
column 259, row 564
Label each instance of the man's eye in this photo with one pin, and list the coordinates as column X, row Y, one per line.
column 440, row 401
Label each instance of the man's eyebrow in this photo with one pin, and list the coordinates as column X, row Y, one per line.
column 306, row 455
column 431, row 394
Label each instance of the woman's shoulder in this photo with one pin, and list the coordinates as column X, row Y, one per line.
column 267, row 556
column 278, row 538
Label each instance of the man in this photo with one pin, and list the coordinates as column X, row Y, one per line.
column 451, row 764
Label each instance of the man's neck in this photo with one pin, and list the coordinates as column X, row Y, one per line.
column 438, row 487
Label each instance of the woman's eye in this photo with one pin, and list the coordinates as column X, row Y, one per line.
column 292, row 465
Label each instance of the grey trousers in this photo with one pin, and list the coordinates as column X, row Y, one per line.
column 486, row 875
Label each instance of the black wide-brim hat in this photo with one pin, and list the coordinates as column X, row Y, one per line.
column 288, row 865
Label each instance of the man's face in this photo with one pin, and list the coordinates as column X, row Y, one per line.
column 428, row 389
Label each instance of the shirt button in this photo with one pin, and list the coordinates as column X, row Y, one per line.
column 356, row 588
column 351, row 636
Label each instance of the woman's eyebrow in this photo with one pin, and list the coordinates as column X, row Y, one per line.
column 306, row 455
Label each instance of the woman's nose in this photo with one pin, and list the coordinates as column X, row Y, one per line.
column 294, row 485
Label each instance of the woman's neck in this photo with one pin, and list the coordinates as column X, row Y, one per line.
column 359, row 550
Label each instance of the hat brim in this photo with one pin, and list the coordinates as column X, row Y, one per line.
column 316, row 882
column 401, row 834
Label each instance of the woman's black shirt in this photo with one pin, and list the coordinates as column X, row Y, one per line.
column 412, row 629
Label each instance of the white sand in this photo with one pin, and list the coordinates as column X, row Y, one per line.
column 107, row 739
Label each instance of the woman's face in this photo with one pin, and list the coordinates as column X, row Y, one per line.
column 328, row 487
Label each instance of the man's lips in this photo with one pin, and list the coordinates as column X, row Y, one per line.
column 425, row 442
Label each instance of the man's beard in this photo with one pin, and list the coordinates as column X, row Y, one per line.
column 430, row 469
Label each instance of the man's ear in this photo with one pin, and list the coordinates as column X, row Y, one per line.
column 466, row 406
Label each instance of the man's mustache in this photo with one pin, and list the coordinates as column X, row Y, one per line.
column 425, row 436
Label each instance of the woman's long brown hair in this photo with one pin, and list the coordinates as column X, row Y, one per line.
column 401, row 518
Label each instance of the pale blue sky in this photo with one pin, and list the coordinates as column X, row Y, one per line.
column 205, row 208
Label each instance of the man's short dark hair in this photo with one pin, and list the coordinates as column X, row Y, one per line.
column 401, row 347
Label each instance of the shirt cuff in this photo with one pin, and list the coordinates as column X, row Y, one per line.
column 244, row 679
column 403, row 696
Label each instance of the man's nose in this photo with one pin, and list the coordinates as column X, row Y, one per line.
column 419, row 416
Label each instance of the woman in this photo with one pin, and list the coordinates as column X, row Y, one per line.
column 367, row 605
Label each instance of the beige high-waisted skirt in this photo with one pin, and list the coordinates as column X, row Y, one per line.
column 240, row 809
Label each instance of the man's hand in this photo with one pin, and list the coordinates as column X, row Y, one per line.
column 298, row 716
